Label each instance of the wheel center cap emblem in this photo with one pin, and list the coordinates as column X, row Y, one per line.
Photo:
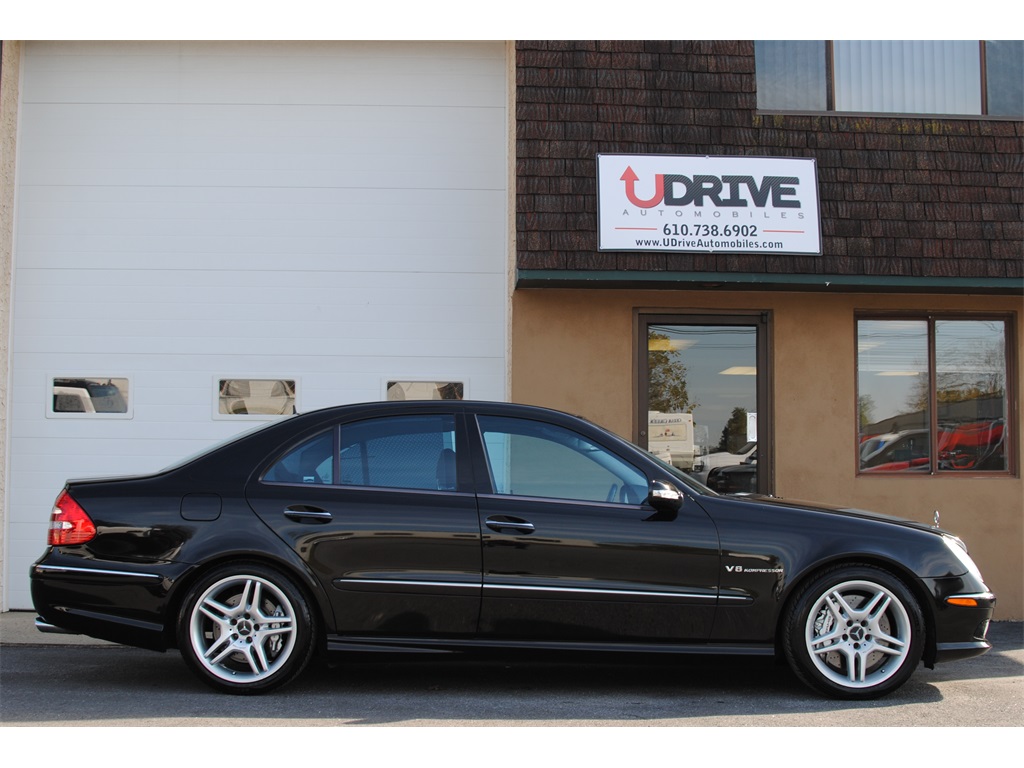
column 857, row 634
column 244, row 628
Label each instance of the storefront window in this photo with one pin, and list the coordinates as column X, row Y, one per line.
column 931, row 395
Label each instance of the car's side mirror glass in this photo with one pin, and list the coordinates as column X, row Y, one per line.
column 665, row 497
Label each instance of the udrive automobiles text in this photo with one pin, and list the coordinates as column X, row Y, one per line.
column 772, row 208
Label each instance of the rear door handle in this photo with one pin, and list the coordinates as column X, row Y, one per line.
column 502, row 523
column 302, row 513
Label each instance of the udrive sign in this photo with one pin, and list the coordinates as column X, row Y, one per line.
column 708, row 204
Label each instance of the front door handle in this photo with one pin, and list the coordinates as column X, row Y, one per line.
column 303, row 513
column 501, row 523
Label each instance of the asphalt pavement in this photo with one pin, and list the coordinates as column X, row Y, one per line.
column 46, row 681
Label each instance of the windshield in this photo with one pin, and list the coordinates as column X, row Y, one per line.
column 747, row 448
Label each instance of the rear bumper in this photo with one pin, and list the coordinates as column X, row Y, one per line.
column 76, row 596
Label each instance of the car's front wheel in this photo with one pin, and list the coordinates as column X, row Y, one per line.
column 855, row 632
column 245, row 629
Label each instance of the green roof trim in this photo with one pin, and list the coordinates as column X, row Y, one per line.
column 564, row 278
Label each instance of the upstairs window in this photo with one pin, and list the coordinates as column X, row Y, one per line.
column 941, row 77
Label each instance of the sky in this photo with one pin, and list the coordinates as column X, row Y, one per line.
column 464, row 20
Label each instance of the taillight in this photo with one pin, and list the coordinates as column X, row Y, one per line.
column 68, row 523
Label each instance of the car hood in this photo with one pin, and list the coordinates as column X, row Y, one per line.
column 828, row 509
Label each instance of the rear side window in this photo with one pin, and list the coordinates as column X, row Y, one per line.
column 400, row 452
column 311, row 463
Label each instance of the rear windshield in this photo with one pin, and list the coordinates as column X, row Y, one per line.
column 227, row 441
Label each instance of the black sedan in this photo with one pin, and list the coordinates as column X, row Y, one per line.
column 459, row 526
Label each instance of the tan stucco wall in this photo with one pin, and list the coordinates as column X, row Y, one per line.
column 573, row 350
column 10, row 74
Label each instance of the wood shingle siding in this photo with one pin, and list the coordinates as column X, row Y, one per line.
column 901, row 196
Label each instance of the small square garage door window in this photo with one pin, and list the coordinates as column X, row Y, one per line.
column 256, row 397
column 87, row 396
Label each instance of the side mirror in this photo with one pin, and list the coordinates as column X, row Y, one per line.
column 665, row 498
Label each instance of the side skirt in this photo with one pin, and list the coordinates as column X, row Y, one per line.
column 341, row 643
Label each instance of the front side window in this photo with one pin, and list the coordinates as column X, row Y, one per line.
column 416, row 452
column 532, row 458
column 941, row 77
column 932, row 395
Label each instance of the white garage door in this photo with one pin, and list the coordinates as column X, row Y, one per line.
column 239, row 226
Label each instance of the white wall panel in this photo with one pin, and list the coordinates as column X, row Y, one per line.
column 334, row 213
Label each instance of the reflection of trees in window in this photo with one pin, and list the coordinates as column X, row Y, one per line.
column 734, row 433
column 667, row 390
column 866, row 409
column 967, row 366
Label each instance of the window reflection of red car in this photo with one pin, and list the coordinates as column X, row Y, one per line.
column 908, row 451
column 973, row 446
column 978, row 445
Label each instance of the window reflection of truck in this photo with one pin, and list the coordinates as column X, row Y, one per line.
column 72, row 400
column 87, row 396
column 670, row 438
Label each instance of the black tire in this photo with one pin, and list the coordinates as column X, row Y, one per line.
column 854, row 632
column 245, row 628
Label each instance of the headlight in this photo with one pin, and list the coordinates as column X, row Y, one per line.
column 959, row 550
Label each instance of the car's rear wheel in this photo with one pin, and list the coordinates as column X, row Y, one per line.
column 245, row 629
column 855, row 632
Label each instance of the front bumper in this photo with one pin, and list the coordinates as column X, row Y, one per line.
column 980, row 613
column 962, row 612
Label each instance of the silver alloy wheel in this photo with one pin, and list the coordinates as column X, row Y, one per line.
column 858, row 634
column 242, row 629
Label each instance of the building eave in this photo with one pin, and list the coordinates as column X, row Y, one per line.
column 735, row 281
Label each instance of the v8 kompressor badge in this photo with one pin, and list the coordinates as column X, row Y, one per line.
column 745, row 569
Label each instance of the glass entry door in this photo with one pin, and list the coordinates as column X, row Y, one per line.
column 703, row 398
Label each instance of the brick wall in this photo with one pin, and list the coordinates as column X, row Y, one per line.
column 900, row 196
